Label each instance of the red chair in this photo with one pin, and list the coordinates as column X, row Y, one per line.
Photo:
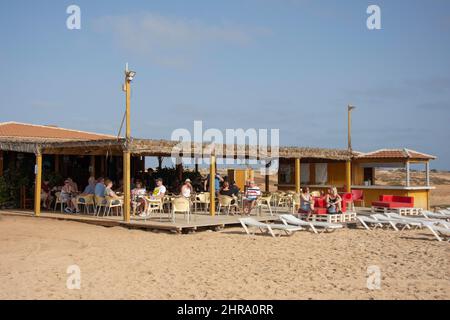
column 347, row 201
column 388, row 201
column 358, row 195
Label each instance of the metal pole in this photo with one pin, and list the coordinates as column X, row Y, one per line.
column 348, row 165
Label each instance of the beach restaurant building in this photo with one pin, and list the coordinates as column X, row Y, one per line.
column 82, row 154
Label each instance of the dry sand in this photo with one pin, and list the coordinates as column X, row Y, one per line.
column 118, row 263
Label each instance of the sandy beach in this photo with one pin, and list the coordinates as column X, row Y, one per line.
column 117, row 263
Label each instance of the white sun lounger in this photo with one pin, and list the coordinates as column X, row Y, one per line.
column 405, row 223
column 435, row 215
column 422, row 221
column 366, row 221
column 250, row 222
column 445, row 212
column 438, row 232
column 289, row 219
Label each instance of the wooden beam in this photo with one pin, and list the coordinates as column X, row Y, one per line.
column 1, row 163
column 126, row 186
column 92, row 166
column 37, row 184
column 427, row 173
column 212, row 186
column 348, row 176
column 297, row 175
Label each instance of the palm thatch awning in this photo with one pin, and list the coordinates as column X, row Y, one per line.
column 165, row 148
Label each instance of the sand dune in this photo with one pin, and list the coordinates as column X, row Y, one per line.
column 118, row 263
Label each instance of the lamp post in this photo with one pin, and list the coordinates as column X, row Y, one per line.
column 349, row 114
column 129, row 76
column 348, row 165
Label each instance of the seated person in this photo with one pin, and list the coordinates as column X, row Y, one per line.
column 334, row 201
column 89, row 190
column 74, row 185
column 307, row 202
column 67, row 193
column 226, row 190
column 46, row 196
column 160, row 189
column 137, row 197
column 186, row 189
column 251, row 195
column 99, row 190
column 110, row 193
column 234, row 188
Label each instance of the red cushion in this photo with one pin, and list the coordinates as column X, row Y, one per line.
column 409, row 200
column 319, row 203
column 384, row 204
column 385, row 198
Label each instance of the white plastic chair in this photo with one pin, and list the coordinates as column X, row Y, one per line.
column 181, row 204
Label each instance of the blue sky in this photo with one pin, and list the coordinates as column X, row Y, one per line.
column 287, row 64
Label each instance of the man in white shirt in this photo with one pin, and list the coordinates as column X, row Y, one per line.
column 160, row 189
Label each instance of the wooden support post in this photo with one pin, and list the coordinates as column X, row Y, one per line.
column 37, row 184
column 348, row 176
column 160, row 161
column 126, row 186
column 297, row 175
column 212, row 186
column 102, row 166
column 1, row 163
column 92, row 166
column 179, row 170
column 427, row 174
column 57, row 163
column 408, row 182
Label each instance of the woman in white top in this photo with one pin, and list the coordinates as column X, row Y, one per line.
column 186, row 189
column 137, row 197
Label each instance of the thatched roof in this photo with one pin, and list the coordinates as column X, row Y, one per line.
column 165, row 148
column 150, row 147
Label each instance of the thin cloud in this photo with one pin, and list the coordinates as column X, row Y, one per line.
column 173, row 41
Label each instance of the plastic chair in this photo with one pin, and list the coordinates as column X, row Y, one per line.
column 358, row 195
column 86, row 201
column 181, row 204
